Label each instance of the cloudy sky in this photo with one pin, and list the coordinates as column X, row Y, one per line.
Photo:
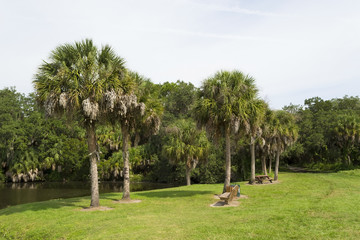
column 295, row 49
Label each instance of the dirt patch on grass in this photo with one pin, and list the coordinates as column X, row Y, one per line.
column 101, row 208
column 127, row 201
column 216, row 196
column 233, row 203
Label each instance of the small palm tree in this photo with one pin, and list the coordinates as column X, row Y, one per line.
column 74, row 82
column 186, row 144
column 285, row 134
column 222, row 107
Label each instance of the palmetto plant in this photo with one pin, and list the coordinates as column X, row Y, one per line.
column 74, row 81
column 222, row 107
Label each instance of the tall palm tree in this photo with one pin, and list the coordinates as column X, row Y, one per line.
column 74, row 82
column 222, row 107
column 186, row 144
column 285, row 134
column 265, row 143
column 126, row 109
column 257, row 109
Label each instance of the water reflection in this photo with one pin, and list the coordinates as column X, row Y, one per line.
column 19, row 193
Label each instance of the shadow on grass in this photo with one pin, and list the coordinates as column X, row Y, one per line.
column 172, row 194
column 301, row 170
column 45, row 205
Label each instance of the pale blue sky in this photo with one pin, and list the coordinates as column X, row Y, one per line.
column 295, row 49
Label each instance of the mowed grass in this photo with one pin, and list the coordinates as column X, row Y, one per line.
column 300, row 206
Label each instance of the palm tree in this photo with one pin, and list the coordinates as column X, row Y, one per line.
column 285, row 134
column 265, row 143
column 187, row 144
column 222, row 107
column 126, row 109
column 147, row 93
column 74, row 82
column 257, row 109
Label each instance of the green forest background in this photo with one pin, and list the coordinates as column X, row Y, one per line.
column 36, row 148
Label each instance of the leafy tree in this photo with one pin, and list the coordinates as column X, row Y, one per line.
column 222, row 107
column 347, row 134
column 74, row 82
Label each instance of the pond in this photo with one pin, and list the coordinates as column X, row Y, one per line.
column 19, row 193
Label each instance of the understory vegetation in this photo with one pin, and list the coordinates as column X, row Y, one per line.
column 300, row 206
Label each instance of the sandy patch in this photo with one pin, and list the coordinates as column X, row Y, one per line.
column 127, row 201
column 101, row 208
column 216, row 196
column 233, row 203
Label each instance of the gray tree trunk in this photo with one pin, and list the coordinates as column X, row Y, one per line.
column 252, row 153
column 270, row 164
column 276, row 172
column 263, row 164
column 188, row 174
column 93, row 155
column 125, row 149
column 227, row 159
column 137, row 139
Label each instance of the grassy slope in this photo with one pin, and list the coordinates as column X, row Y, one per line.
column 301, row 206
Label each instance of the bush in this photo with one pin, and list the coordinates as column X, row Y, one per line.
column 2, row 177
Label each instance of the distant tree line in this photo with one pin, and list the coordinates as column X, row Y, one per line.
column 90, row 112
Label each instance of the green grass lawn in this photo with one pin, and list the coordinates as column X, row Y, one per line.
column 300, row 206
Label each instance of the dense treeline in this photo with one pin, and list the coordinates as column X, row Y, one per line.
column 34, row 147
column 329, row 136
column 170, row 132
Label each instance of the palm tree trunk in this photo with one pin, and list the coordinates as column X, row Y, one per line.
column 243, row 169
column 137, row 139
column 188, row 174
column 270, row 164
column 263, row 163
column 276, row 173
column 227, row 159
column 252, row 153
column 125, row 149
column 92, row 148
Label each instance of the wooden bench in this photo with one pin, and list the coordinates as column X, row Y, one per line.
column 230, row 193
column 261, row 178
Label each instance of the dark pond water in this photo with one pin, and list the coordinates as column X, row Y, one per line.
column 19, row 193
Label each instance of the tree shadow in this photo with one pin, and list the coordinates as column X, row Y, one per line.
column 44, row 205
column 295, row 169
column 173, row 194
